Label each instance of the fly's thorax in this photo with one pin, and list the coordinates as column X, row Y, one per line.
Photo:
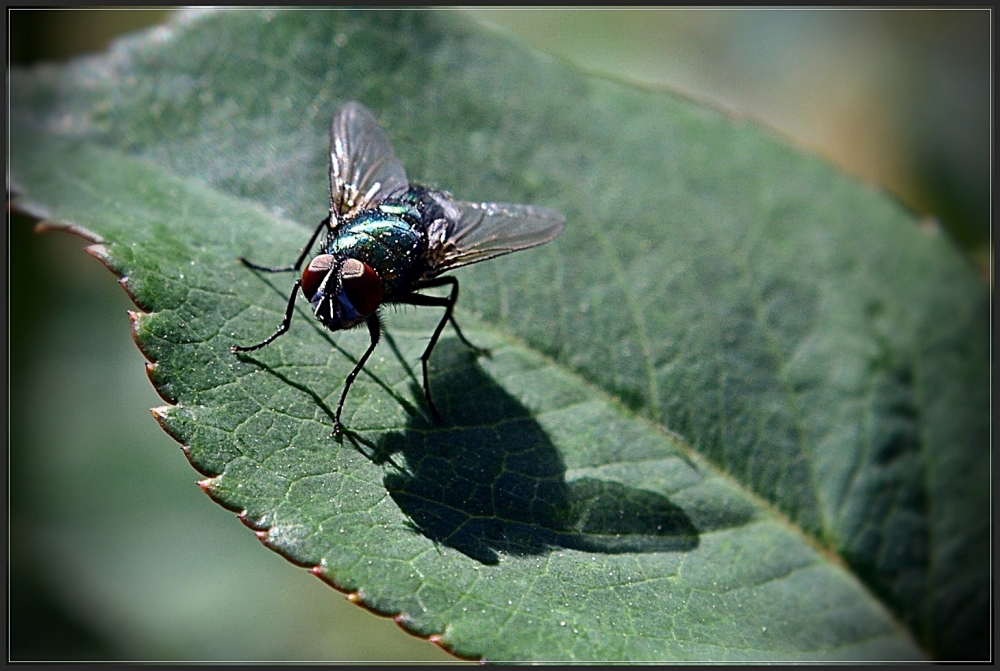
column 427, row 205
column 434, row 214
column 388, row 243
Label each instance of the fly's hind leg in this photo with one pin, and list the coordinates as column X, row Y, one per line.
column 478, row 350
column 448, row 303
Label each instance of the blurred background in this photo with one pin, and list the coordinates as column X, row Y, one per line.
column 116, row 554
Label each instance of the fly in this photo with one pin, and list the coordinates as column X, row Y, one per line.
column 387, row 239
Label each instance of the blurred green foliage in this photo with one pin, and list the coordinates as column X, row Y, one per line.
column 899, row 98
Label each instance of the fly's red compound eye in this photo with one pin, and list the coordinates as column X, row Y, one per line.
column 313, row 274
column 362, row 286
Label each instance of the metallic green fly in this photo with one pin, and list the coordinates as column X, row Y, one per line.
column 387, row 239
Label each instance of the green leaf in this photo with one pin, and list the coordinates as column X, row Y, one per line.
column 737, row 411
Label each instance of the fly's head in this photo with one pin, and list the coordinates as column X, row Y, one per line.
column 342, row 291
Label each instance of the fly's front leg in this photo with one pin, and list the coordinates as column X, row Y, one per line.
column 375, row 331
column 282, row 328
column 298, row 263
column 448, row 303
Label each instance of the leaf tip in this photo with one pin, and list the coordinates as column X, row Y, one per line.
column 151, row 369
column 319, row 570
column 126, row 284
column 162, row 415
column 134, row 319
column 46, row 225
column 438, row 640
column 99, row 252
column 152, row 372
column 161, row 412
column 133, row 322
column 357, row 597
column 242, row 517
column 407, row 624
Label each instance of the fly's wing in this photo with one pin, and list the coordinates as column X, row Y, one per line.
column 363, row 168
column 482, row 231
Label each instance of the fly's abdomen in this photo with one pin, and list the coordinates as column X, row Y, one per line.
column 388, row 244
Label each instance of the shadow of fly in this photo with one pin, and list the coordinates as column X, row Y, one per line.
column 387, row 239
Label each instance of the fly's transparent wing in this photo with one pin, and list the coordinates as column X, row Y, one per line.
column 474, row 232
column 364, row 169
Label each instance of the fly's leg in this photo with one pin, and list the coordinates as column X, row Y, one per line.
column 287, row 320
column 282, row 328
column 478, row 350
column 375, row 331
column 298, row 263
column 448, row 303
